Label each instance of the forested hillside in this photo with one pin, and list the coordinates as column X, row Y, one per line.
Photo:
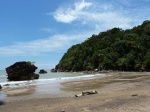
column 115, row 49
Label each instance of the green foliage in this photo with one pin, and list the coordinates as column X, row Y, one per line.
column 115, row 49
column 30, row 63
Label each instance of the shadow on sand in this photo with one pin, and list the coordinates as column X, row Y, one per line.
column 1, row 103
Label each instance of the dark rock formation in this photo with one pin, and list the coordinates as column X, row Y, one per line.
column 42, row 71
column 53, row 70
column 7, row 85
column 21, row 71
column 36, row 76
column 0, row 87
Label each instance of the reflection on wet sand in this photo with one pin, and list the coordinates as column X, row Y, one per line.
column 51, row 88
column 48, row 89
column 98, row 83
column 19, row 91
column 2, row 97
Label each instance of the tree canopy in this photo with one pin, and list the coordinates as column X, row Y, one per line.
column 114, row 49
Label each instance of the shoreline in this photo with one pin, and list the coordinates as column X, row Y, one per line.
column 45, row 83
column 114, row 94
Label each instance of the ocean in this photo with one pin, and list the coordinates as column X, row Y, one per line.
column 47, row 78
column 47, row 84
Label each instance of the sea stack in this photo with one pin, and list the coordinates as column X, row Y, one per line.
column 21, row 71
column 42, row 71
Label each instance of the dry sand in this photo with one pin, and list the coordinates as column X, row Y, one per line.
column 121, row 92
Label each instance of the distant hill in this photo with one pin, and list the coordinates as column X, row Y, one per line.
column 115, row 49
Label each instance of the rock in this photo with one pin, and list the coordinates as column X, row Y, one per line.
column 53, row 70
column 0, row 87
column 36, row 76
column 42, row 71
column 7, row 85
column 21, row 71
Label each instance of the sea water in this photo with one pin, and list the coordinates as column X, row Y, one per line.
column 49, row 83
column 3, row 76
column 47, row 78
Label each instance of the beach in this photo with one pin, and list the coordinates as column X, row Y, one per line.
column 118, row 92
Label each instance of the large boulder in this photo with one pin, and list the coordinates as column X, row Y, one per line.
column 21, row 71
column 0, row 87
column 42, row 71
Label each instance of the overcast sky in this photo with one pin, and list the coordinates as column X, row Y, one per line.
column 41, row 31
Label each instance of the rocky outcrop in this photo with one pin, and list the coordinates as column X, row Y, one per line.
column 21, row 71
column 53, row 70
column 42, row 71
column 0, row 87
column 36, row 76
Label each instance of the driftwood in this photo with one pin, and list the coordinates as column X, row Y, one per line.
column 87, row 93
column 134, row 95
column 62, row 111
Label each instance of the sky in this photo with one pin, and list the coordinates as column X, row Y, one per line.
column 41, row 31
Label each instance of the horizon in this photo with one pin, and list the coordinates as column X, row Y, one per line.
column 43, row 31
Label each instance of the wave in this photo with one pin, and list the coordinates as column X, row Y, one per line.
column 14, row 84
column 71, row 78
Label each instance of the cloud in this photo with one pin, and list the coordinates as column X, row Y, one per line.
column 93, row 14
column 10, row 50
column 103, row 15
column 47, row 30
column 55, row 43
column 45, row 66
column 69, row 15
column 89, row 17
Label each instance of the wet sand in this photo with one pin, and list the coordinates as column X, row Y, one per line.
column 120, row 92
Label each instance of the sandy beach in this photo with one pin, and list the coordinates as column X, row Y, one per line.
column 120, row 92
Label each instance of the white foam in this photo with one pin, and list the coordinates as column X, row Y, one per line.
column 14, row 84
column 73, row 78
